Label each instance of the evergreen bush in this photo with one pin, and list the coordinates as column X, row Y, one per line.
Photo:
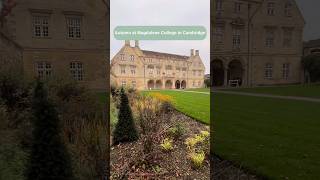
column 125, row 130
column 49, row 158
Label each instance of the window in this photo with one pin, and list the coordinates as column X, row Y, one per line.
column 134, row 84
column 133, row 69
column 43, row 69
column 199, row 84
column 269, row 38
column 158, row 70
column 199, row 73
column 270, row 8
column 123, row 83
column 76, row 69
column 122, row 57
column 74, row 27
column 194, row 73
column 236, row 38
column 237, row 7
column 40, row 26
column 132, row 57
column 150, row 69
column 287, row 37
column 193, row 83
column 122, row 69
column 288, row 9
column 285, row 70
column 218, row 5
column 268, row 71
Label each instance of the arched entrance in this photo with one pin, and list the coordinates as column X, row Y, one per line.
column 158, row 84
column 151, row 84
column 183, row 84
column 217, row 72
column 235, row 73
column 168, row 84
column 177, row 85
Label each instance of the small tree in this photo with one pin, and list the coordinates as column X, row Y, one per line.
column 49, row 158
column 125, row 130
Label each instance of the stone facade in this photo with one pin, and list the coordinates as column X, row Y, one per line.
column 141, row 69
column 311, row 47
column 257, row 42
column 62, row 39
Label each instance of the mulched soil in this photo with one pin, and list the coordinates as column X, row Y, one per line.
column 125, row 158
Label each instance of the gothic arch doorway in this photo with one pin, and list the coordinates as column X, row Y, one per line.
column 183, row 84
column 235, row 72
column 168, row 84
column 151, row 84
column 177, row 84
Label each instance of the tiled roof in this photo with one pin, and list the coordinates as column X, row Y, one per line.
column 163, row 55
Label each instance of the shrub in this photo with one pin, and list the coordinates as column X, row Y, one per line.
column 166, row 107
column 49, row 158
column 177, row 131
column 167, row 144
column 125, row 130
column 197, row 159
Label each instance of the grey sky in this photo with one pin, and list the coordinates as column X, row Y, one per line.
column 311, row 12
column 163, row 12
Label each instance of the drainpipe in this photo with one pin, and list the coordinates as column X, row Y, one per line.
column 250, row 17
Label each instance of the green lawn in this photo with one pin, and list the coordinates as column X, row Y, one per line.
column 199, row 89
column 196, row 105
column 276, row 138
column 294, row 90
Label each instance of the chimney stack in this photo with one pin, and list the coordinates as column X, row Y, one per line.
column 127, row 42
column 136, row 43
column 192, row 52
column 197, row 52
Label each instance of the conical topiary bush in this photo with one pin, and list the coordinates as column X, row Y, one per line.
column 49, row 158
column 125, row 130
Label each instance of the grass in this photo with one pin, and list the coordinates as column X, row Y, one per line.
column 276, row 138
column 312, row 91
column 195, row 105
column 199, row 89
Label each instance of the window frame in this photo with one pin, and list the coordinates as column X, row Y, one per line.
column 74, row 16
column 46, row 72
column 77, row 73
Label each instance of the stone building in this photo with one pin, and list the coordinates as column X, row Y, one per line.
column 142, row 69
column 61, row 39
column 257, row 42
column 311, row 47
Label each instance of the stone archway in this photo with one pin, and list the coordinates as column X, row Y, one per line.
column 217, row 71
column 158, row 84
column 177, row 84
column 151, row 84
column 168, row 84
column 235, row 72
column 183, row 84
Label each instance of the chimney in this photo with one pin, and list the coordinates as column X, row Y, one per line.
column 197, row 52
column 192, row 52
column 136, row 43
column 127, row 42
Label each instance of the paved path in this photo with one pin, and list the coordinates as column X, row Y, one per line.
column 269, row 96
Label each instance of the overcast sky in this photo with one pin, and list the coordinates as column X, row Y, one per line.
column 311, row 12
column 163, row 12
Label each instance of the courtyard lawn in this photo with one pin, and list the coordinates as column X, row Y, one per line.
column 312, row 91
column 199, row 89
column 195, row 105
column 275, row 138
